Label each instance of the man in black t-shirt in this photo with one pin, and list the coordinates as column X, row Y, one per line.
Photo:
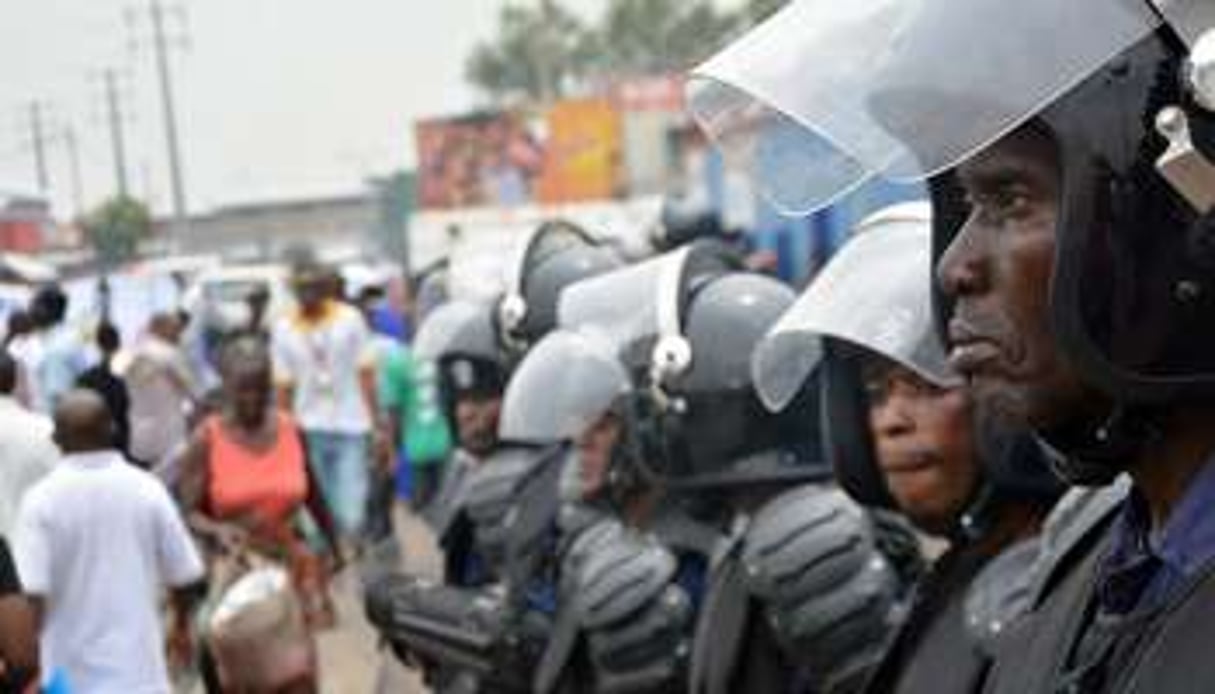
column 18, row 631
column 112, row 388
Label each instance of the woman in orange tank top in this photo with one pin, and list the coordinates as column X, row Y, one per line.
column 245, row 477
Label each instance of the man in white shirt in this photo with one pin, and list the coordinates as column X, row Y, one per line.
column 326, row 377
column 97, row 542
column 26, row 450
column 162, row 391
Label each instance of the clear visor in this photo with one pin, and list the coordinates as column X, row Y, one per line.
column 623, row 304
column 641, row 300
column 828, row 94
column 875, row 293
column 447, row 323
column 566, row 382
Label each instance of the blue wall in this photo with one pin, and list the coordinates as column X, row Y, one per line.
column 802, row 244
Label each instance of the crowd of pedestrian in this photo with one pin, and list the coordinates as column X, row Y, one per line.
column 135, row 497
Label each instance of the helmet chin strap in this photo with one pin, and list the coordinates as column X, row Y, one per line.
column 1092, row 455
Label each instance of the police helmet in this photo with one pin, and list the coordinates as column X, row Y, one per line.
column 1125, row 96
column 459, row 337
column 555, row 256
column 683, row 325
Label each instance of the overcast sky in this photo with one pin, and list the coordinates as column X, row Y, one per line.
column 278, row 98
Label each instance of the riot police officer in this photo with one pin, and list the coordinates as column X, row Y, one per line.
column 658, row 382
column 1073, row 227
column 459, row 338
column 497, row 517
column 903, row 436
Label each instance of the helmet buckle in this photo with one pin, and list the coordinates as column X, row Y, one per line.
column 1186, row 169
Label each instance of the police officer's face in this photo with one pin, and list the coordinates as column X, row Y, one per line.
column 595, row 447
column 924, row 444
column 477, row 423
column 998, row 269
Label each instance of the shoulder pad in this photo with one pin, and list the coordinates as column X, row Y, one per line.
column 575, row 517
column 621, row 577
column 1075, row 517
column 580, row 546
column 491, row 499
column 812, row 560
column 647, row 652
column 805, row 542
column 534, row 539
column 1000, row 593
column 637, row 620
column 580, row 541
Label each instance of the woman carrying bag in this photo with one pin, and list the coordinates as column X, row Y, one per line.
column 245, row 480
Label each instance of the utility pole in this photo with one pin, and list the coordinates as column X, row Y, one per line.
column 160, row 45
column 73, row 146
column 38, row 138
column 114, row 112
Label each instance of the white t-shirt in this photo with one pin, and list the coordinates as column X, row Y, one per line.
column 26, row 455
column 322, row 360
column 99, row 540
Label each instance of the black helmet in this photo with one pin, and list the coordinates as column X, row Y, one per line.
column 872, row 298
column 1130, row 118
column 555, row 256
column 684, row 325
column 459, row 338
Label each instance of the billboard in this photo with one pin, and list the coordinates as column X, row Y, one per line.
column 582, row 156
column 501, row 159
column 481, row 160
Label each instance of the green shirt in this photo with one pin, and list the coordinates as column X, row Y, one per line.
column 411, row 387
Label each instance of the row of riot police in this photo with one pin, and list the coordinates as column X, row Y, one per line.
column 659, row 508
column 704, row 483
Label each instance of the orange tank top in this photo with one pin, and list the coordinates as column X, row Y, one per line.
column 269, row 484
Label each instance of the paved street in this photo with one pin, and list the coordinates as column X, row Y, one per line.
column 351, row 662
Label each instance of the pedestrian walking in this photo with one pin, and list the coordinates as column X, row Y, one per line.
column 97, row 542
column 112, row 388
column 162, row 391
column 326, row 378
column 27, row 452
column 18, row 632
column 244, row 477
column 53, row 354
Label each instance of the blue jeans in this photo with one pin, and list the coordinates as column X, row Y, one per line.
column 340, row 464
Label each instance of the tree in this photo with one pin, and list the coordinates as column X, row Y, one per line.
column 655, row 37
column 544, row 52
column 759, row 10
column 116, row 227
column 536, row 57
